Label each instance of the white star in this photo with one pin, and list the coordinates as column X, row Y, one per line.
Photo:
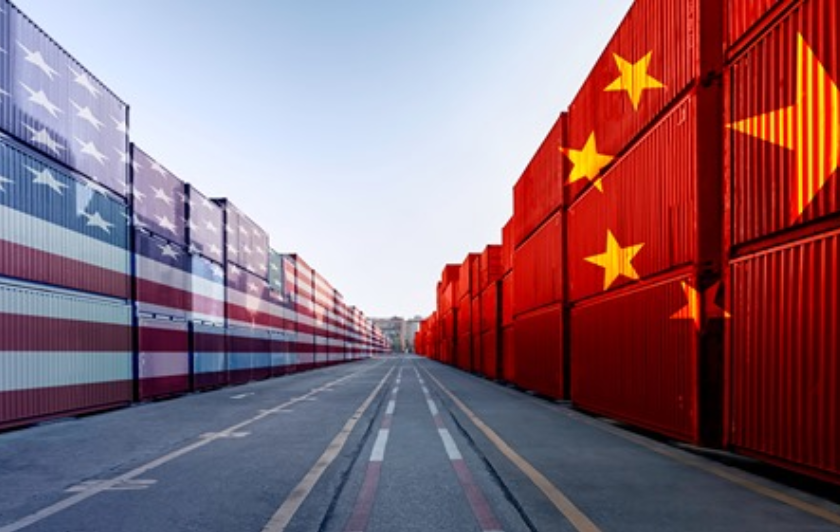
column 246, row 250
column 37, row 59
column 3, row 181
column 45, row 177
column 166, row 223
column 83, row 80
column 96, row 187
column 136, row 166
column 87, row 115
column 139, row 223
column 263, row 268
column 156, row 167
column 89, row 148
column 252, row 287
column 217, row 271
column 4, row 93
column 40, row 98
column 162, row 195
column 229, row 230
column 214, row 249
column 139, row 196
column 243, row 231
column 260, row 251
column 210, row 227
column 206, row 203
column 42, row 136
column 231, row 250
column 96, row 220
column 275, row 267
column 233, row 270
column 192, row 225
column 168, row 251
column 121, row 125
column 123, row 156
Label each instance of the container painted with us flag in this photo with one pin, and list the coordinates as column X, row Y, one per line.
column 246, row 243
column 162, row 276
column 60, row 229
column 163, row 358
column 210, row 355
column 158, row 198
column 49, row 101
column 206, row 226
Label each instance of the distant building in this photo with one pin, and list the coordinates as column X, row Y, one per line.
column 399, row 331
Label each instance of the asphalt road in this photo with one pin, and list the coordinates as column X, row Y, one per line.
column 386, row 445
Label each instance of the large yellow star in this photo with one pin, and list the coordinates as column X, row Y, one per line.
column 634, row 78
column 587, row 163
column 616, row 260
column 691, row 310
column 810, row 127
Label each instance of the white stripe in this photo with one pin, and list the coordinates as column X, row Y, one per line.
column 41, row 369
column 432, row 407
column 449, row 444
column 378, row 452
column 149, row 308
column 163, row 364
column 47, row 304
column 32, row 232
column 161, row 273
column 391, row 406
column 198, row 316
column 201, row 286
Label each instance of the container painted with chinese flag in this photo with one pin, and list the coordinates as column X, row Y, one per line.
column 745, row 20
column 660, row 51
column 638, row 356
column 783, row 355
column 539, row 191
column 783, row 130
column 538, row 264
column 163, row 358
column 658, row 208
column 538, row 343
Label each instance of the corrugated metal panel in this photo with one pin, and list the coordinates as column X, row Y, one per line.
column 58, row 107
column 489, row 354
column 61, row 353
column 163, row 358
column 162, row 276
column 539, row 191
column 207, row 290
column 507, row 246
column 538, row 264
column 247, row 243
column 635, row 358
column 490, row 266
column 507, row 299
column 475, row 334
column 248, row 300
column 58, row 229
column 489, row 307
column 466, row 283
column 206, row 233
column 276, row 277
column 783, row 111
column 741, row 16
column 158, row 197
column 210, row 367
column 249, row 354
column 539, row 351
column 783, row 355
column 643, row 223
column 508, row 353
column 651, row 60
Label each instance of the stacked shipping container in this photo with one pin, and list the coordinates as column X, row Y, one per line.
column 113, row 273
column 701, row 212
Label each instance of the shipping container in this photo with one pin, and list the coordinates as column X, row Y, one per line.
column 507, row 286
column 61, row 353
column 248, row 299
column 163, row 358
column 159, row 199
column 466, row 283
column 207, row 290
column 249, row 354
column 490, row 266
column 538, row 264
column 538, row 343
column 638, row 356
column 489, row 302
column 209, row 352
column 745, row 20
column 448, row 296
column 490, row 354
column 58, row 228
column 247, row 243
column 55, row 105
column 206, row 227
column 539, row 191
column 784, row 355
column 162, row 280
column 660, row 208
column 508, row 354
column 507, row 247
column 783, row 121
column 659, row 52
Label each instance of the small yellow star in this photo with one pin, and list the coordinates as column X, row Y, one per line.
column 587, row 163
column 634, row 78
column 616, row 260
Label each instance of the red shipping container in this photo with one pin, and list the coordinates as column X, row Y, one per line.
column 489, row 308
column 448, row 296
column 660, row 208
column 508, row 344
column 463, row 352
column 490, row 267
column 538, row 263
column 475, row 333
column 539, row 191
column 507, row 299
column 489, row 354
column 659, row 51
column 744, row 19
column 466, row 283
column 783, row 356
column 507, row 247
column 539, row 338
column 636, row 357
column 783, row 114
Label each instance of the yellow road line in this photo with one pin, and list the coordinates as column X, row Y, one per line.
column 284, row 515
column 572, row 513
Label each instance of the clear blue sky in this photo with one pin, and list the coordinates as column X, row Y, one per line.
column 379, row 139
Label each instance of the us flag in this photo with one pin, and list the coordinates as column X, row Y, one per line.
column 206, row 226
column 51, row 102
column 59, row 230
column 163, row 276
column 158, row 198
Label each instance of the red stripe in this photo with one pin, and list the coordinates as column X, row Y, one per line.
column 163, row 295
column 480, row 507
column 208, row 305
column 163, row 386
column 154, row 339
column 20, row 407
column 364, row 502
column 22, row 262
column 36, row 333
column 210, row 379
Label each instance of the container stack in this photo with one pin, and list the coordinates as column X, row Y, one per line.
column 464, row 324
column 505, row 295
column 783, row 232
column 489, row 285
column 65, row 281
